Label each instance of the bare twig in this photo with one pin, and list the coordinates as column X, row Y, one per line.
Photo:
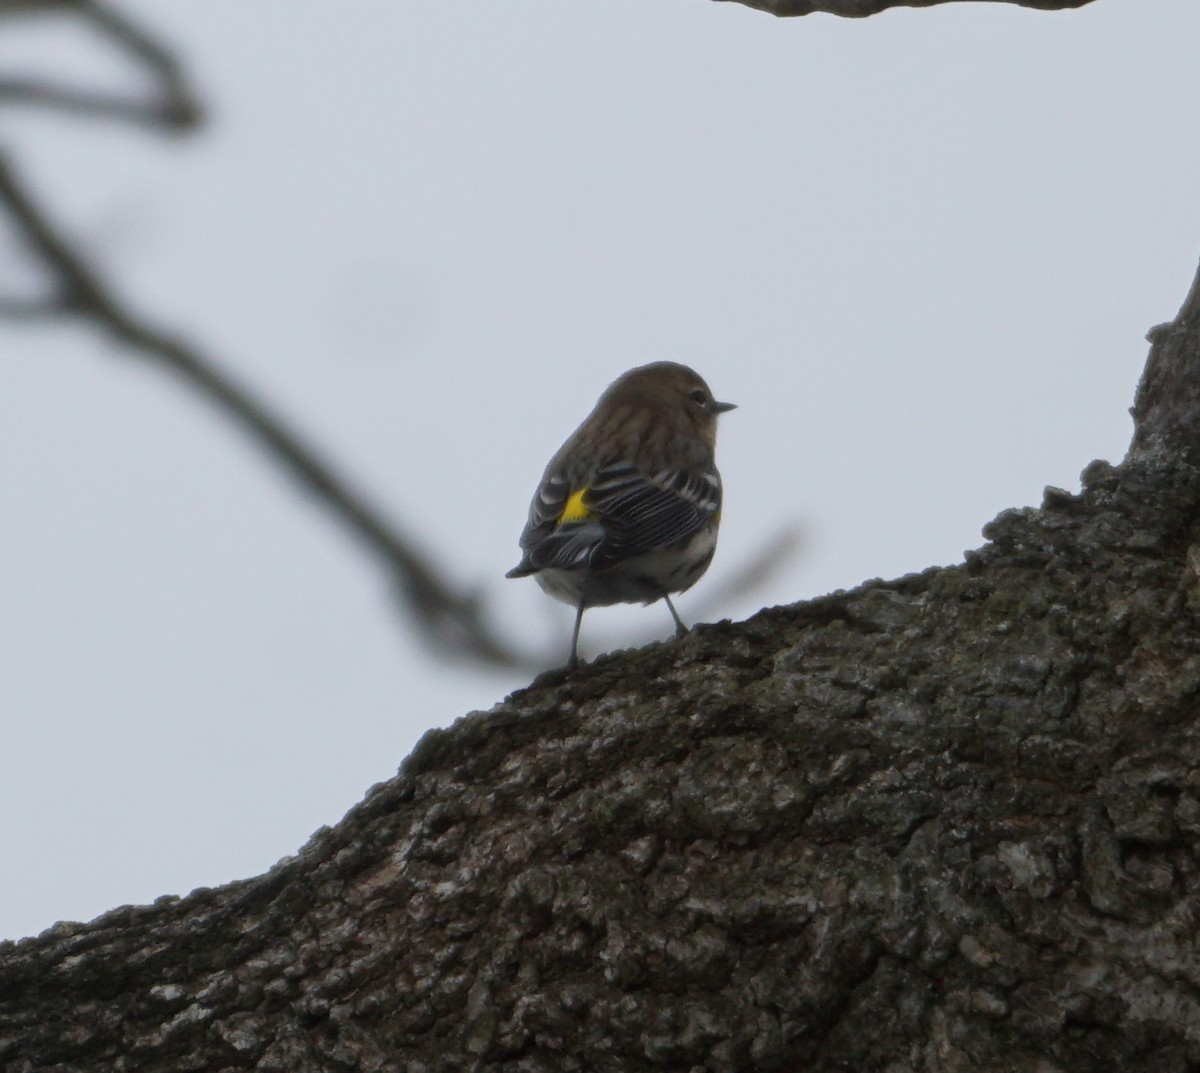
column 171, row 105
column 180, row 107
column 29, row 309
column 37, row 7
column 66, row 99
column 451, row 620
column 454, row 620
column 752, row 574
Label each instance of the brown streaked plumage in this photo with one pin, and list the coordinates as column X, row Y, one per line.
column 628, row 508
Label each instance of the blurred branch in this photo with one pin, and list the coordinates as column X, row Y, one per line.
column 68, row 100
column 752, row 574
column 172, row 105
column 454, row 621
column 22, row 309
column 451, row 620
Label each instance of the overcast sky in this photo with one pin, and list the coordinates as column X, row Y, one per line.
column 920, row 251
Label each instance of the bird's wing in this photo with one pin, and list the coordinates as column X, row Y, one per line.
column 641, row 513
column 622, row 512
column 559, row 534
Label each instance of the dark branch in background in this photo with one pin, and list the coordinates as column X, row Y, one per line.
column 858, row 9
column 172, row 105
column 29, row 310
column 753, row 573
column 82, row 103
column 452, row 621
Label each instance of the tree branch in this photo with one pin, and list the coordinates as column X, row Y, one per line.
column 1166, row 411
column 89, row 104
column 857, row 9
column 950, row 822
column 452, row 621
column 171, row 106
column 179, row 106
column 29, row 309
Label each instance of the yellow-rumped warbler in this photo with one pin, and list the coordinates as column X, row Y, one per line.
column 628, row 508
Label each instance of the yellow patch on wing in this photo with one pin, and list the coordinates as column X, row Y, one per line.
column 574, row 510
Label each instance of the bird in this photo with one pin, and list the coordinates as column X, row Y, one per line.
column 628, row 508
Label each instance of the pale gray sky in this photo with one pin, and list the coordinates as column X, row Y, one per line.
column 920, row 250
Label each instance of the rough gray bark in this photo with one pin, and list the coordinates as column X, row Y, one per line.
column 949, row 822
column 857, row 9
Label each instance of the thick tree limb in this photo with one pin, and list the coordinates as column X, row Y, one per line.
column 950, row 823
column 857, row 9
column 1166, row 412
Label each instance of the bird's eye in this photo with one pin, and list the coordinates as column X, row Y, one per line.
column 699, row 397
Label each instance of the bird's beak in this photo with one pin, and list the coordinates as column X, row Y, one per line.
column 724, row 407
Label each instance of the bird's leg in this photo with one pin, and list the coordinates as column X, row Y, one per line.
column 574, row 660
column 680, row 628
